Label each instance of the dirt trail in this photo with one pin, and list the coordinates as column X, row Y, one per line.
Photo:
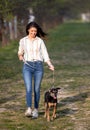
column 74, row 106
column 77, row 107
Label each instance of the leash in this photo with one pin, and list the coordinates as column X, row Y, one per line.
column 53, row 80
column 25, row 62
column 53, row 77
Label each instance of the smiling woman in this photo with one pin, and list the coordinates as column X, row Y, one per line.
column 32, row 51
column 32, row 32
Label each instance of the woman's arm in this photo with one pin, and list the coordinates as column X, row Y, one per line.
column 46, row 56
column 20, row 50
column 51, row 67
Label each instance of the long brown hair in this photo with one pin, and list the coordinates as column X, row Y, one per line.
column 40, row 32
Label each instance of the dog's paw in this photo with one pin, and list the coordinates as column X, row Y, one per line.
column 52, row 118
column 45, row 116
column 48, row 119
column 55, row 116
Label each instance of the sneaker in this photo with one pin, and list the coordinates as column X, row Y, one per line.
column 28, row 112
column 35, row 113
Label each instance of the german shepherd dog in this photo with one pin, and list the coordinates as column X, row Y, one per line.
column 50, row 100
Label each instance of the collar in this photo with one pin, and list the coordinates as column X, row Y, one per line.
column 34, row 38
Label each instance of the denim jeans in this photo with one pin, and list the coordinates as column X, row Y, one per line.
column 33, row 70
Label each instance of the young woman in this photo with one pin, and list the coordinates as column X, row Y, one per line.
column 33, row 52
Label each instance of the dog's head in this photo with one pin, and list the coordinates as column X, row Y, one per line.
column 53, row 92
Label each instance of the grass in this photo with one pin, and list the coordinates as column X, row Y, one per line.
column 69, row 49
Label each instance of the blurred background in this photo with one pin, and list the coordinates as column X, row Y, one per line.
column 15, row 14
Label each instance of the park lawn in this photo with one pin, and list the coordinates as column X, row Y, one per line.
column 69, row 49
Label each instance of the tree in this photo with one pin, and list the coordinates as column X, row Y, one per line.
column 48, row 13
column 54, row 10
column 5, row 15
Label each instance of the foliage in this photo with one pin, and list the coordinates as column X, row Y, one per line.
column 51, row 9
column 48, row 13
column 6, row 9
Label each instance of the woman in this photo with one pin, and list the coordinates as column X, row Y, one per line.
column 32, row 51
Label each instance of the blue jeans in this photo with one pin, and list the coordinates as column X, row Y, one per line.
column 33, row 70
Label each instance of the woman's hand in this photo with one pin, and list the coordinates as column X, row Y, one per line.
column 51, row 67
column 20, row 57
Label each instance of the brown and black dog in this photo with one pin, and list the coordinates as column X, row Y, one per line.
column 50, row 100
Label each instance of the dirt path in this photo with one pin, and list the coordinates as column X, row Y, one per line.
column 74, row 106
column 77, row 107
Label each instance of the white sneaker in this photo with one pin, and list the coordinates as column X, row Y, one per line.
column 35, row 113
column 28, row 112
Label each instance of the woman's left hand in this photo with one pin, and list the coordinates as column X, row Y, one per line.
column 51, row 67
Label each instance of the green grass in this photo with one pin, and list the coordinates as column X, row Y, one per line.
column 69, row 49
column 9, row 63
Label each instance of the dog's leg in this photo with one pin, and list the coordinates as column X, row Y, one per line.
column 48, row 112
column 45, row 115
column 48, row 116
column 54, row 112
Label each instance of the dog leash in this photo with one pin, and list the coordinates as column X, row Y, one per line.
column 25, row 62
column 53, row 80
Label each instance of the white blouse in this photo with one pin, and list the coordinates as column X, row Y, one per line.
column 33, row 49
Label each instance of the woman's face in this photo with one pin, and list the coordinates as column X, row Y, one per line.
column 32, row 32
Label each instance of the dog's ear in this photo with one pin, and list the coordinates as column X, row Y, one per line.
column 58, row 89
column 52, row 88
column 49, row 90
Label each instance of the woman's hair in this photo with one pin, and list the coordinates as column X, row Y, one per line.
column 40, row 32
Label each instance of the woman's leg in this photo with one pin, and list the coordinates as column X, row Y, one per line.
column 38, row 74
column 27, row 74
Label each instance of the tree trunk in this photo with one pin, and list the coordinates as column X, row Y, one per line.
column 4, row 36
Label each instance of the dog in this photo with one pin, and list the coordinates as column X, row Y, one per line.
column 50, row 100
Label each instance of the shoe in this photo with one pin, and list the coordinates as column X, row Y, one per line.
column 28, row 112
column 35, row 113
